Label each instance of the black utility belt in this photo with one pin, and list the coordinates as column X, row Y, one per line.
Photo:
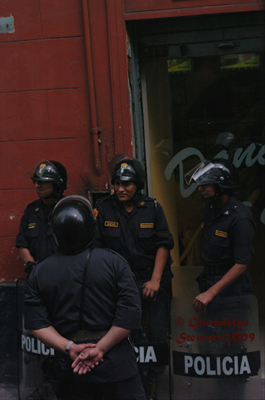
column 216, row 270
column 144, row 273
column 86, row 335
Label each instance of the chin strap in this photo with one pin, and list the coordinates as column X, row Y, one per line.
column 218, row 192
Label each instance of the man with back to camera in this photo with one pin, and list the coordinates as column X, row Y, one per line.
column 98, row 304
column 228, row 229
column 35, row 240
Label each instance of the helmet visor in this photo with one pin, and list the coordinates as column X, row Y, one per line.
column 42, row 171
column 195, row 173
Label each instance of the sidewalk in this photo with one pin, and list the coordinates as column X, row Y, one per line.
column 8, row 392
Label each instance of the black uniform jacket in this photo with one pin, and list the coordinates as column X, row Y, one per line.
column 136, row 235
column 35, row 231
column 53, row 297
column 227, row 236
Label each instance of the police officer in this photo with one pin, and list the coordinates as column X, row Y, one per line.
column 35, row 240
column 228, row 228
column 135, row 226
column 98, row 304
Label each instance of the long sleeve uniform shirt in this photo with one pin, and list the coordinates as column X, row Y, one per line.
column 111, row 297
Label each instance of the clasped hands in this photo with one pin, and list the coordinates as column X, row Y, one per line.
column 86, row 357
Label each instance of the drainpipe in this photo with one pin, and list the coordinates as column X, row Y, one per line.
column 91, row 90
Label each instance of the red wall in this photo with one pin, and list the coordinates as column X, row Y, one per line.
column 45, row 103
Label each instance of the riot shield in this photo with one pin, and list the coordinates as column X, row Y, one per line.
column 31, row 353
column 152, row 346
column 216, row 355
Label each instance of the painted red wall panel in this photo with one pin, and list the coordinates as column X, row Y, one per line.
column 68, row 113
column 61, row 20
column 13, row 203
column 152, row 5
column 44, row 114
column 45, row 64
column 26, row 15
column 11, row 266
column 23, row 115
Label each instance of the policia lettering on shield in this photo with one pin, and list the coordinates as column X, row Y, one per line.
column 135, row 226
column 228, row 229
column 92, row 313
column 35, row 240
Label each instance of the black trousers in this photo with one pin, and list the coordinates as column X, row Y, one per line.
column 129, row 389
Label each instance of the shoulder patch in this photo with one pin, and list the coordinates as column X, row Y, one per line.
column 111, row 224
column 36, row 209
column 95, row 211
column 32, row 225
column 221, row 234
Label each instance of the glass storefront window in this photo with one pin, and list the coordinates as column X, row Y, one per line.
column 203, row 108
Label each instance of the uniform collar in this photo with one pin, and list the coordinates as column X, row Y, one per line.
column 227, row 208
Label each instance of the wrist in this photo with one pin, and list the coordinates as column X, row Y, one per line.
column 67, row 349
column 101, row 348
column 211, row 293
column 156, row 279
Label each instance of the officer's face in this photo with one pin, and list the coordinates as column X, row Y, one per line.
column 124, row 190
column 207, row 191
column 44, row 189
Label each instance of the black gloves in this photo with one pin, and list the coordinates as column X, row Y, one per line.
column 29, row 266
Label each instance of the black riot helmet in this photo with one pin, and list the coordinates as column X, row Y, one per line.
column 51, row 171
column 129, row 170
column 73, row 224
column 218, row 171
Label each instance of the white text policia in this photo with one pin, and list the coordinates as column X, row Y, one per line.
column 220, row 366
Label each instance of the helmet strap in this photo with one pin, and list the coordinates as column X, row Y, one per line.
column 218, row 192
column 54, row 196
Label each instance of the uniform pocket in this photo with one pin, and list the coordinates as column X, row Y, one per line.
column 111, row 232
column 219, row 247
column 147, row 240
column 33, row 232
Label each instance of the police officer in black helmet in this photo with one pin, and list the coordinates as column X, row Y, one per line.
column 91, row 315
column 228, row 228
column 135, row 226
column 35, row 240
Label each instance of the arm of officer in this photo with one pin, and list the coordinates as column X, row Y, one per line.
column 151, row 287
column 51, row 338
column 200, row 302
column 25, row 255
column 82, row 363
